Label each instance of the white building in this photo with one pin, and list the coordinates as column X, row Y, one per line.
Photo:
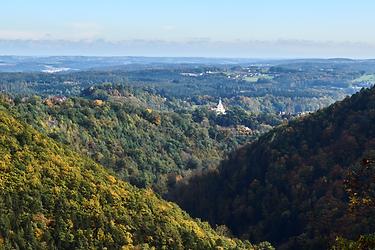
column 220, row 110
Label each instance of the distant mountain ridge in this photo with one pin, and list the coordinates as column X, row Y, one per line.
column 47, row 64
column 74, row 63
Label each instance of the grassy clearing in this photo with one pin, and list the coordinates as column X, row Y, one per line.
column 365, row 78
column 254, row 79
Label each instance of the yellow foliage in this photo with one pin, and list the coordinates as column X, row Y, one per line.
column 98, row 102
column 70, row 223
column 93, row 204
column 34, row 180
column 127, row 247
column 101, row 235
column 29, row 169
column 111, row 179
column 38, row 233
column 5, row 162
column 56, row 190
column 199, row 231
column 163, row 207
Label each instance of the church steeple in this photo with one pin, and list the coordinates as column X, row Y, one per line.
column 220, row 110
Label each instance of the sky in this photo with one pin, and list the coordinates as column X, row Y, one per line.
column 207, row 28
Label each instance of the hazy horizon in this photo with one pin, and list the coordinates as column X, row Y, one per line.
column 186, row 57
column 236, row 29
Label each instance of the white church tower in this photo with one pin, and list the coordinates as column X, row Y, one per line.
column 220, row 110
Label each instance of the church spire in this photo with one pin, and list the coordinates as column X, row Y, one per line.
column 220, row 110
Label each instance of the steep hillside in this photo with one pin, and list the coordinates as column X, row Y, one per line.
column 288, row 186
column 142, row 145
column 146, row 139
column 52, row 198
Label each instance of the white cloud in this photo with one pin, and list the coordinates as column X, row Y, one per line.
column 22, row 34
column 71, row 32
column 201, row 47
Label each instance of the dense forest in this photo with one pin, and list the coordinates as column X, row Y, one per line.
column 154, row 125
column 52, row 198
column 138, row 135
column 289, row 187
column 268, row 169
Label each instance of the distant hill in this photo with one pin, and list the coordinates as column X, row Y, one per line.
column 55, row 64
column 52, row 198
column 288, row 186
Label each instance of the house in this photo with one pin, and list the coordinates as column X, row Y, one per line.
column 54, row 100
column 58, row 99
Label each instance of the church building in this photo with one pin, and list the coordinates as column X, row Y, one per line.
column 220, row 110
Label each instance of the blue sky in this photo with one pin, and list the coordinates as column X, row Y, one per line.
column 252, row 28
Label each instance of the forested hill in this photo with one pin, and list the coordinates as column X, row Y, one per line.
column 52, row 198
column 288, row 187
column 144, row 144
